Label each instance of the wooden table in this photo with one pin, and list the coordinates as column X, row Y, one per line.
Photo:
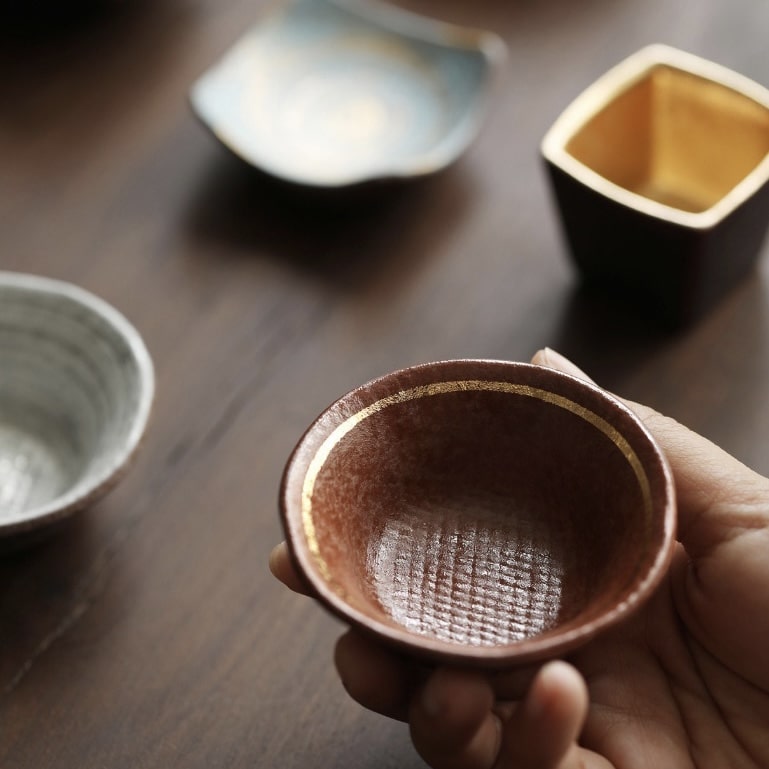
column 148, row 632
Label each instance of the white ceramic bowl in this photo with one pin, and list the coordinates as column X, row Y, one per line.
column 76, row 388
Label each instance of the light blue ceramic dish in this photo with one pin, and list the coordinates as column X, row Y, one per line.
column 330, row 93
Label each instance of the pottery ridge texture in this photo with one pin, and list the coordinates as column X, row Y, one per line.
column 76, row 387
column 480, row 512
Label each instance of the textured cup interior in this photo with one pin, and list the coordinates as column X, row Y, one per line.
column 70, row 393
column 480, row 514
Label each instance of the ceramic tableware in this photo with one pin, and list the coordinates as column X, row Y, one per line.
column 661, row 174
column 479, row 512
column 329, row 93
column 76, row 386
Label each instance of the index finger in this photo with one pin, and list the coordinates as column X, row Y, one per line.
column 282, row 568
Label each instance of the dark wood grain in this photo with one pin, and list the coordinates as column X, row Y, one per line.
column 147, row 632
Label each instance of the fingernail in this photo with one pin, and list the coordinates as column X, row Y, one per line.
column 560, row 362
column 548, row 357
column 552, row 356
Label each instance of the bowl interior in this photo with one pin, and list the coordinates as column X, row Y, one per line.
column 675, row 137
column 480, row 513
column 70, row 393
column 326, row 94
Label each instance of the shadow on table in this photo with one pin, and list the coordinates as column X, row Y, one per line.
column 28, row 22
column 41, row 572
column 604, row 335
column 610, row 339
column 22, row 547
column 102, row 60
column 347, row 238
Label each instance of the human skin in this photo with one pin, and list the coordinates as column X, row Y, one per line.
column 683, row 683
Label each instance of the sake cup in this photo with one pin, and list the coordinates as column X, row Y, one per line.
column 479, row 512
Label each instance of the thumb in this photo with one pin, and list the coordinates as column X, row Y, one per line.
column 718, row 497
column 720, row 589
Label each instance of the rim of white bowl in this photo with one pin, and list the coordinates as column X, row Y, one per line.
column 88, row 488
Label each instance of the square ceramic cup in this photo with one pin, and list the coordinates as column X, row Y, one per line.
column 660, row 170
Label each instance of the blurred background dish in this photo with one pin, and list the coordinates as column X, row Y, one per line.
column 330, row 93
column 76, row 388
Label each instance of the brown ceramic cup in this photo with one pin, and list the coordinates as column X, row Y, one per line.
column 479, row 512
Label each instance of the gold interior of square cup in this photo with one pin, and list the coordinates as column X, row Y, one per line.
column 669, row 134
column 675, row 137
